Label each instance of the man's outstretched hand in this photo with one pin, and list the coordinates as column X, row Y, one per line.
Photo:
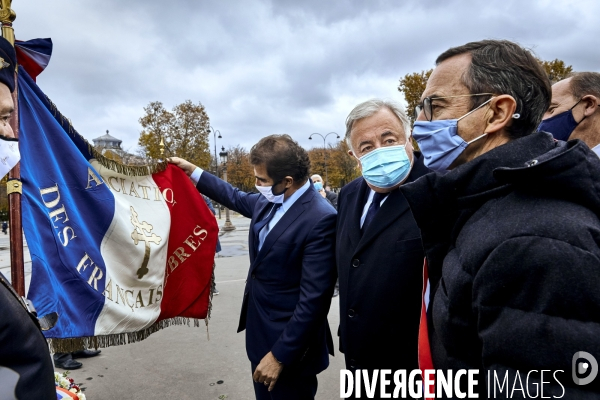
column 186, row 166
column 267, row 372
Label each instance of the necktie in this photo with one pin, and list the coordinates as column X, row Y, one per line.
column 373, row 208
column 265, row 221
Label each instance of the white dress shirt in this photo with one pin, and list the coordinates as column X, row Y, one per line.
column 287, row 204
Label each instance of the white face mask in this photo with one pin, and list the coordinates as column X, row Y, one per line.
column 9, row 154
column 267, row 191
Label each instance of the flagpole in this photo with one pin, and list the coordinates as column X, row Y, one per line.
column 13, row 187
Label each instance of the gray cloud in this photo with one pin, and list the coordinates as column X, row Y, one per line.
column 263, row 67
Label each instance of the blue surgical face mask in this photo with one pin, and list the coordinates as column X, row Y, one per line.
column 561, row 125
column 439, row 141
column 386, row 167
column 318, row 186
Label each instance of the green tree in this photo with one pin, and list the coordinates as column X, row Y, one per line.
column 184, row 131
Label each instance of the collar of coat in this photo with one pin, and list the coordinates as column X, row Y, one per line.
column 538, row 164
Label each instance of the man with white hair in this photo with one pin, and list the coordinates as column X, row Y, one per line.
column 320, row 186
column 378, row 246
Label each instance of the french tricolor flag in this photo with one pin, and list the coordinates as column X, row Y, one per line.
column 118, row 252
column 34, row 55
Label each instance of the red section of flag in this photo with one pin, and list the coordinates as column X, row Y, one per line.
column 32, row 67
column 425, row 359
column 191, row 250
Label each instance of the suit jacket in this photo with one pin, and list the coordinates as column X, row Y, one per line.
column 332, row 197
column 380, row 274
column 290, row 280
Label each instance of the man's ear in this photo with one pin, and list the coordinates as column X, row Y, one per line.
column 591, row 104
column 351, row 154
column 289, row 181
column 501, row 113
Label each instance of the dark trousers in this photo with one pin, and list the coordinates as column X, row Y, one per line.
column 291, row 385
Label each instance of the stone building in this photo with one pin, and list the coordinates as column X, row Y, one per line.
column 110, row 147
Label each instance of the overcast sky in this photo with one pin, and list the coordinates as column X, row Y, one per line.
column 264, row 67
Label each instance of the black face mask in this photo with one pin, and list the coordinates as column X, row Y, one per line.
column 561, row 125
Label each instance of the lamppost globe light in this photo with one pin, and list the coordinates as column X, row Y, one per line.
column 223, row 154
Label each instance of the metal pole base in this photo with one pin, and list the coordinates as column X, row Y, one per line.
column 228, row 226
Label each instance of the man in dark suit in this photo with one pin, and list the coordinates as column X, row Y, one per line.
column 292, row 268
column 378, row 246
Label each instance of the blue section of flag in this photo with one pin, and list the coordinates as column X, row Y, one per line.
column 54, row 155
column 41, row 46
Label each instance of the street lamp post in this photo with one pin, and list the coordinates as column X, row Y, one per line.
column 228, row 225
column 325, row 151
column 216, row 160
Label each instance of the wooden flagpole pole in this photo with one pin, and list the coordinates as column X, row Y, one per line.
column 7, row 16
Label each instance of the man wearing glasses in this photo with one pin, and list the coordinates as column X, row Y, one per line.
column 574, row 111
column 510, row 228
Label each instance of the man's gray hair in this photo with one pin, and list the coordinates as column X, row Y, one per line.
column 371, row 107
column 584, row 83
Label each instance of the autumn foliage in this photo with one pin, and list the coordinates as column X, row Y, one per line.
column 341, row 167
column 184, row 131
column 413, row 86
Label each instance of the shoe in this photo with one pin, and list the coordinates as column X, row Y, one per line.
column 85, row 353
column 69, row 363
column 336, row 293
column 215, row 292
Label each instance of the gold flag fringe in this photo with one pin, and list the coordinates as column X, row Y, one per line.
column 129, row 170
column 210, row 298
column 73, row 344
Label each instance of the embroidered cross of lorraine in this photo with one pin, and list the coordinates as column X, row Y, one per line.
column 138, row 235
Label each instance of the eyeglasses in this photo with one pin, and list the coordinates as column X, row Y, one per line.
column 427, row 107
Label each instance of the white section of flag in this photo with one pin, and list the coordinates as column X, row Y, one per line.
column 123, row 257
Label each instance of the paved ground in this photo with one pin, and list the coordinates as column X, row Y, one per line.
column 181, row 362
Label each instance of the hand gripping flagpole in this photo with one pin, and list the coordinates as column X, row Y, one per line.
column 7, row 16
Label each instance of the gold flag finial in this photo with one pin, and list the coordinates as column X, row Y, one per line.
column 162, row 147
column 7, row 16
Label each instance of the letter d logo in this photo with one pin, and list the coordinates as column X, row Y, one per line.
column 581, row 368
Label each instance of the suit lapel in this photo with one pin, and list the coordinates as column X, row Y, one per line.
column 393, row 207
column 283, row 224
column 358, row 199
